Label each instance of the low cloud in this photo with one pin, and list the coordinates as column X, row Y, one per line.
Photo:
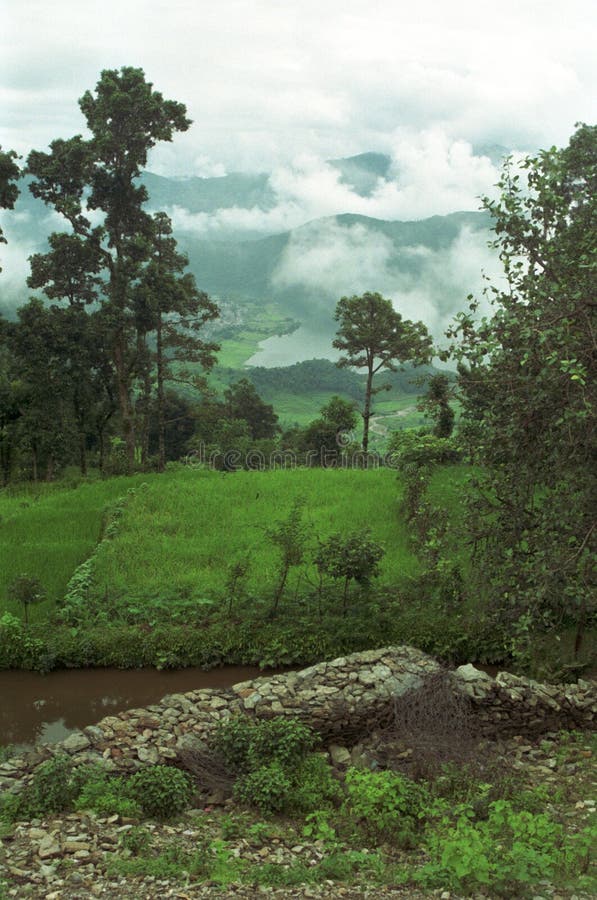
column 329, row 260
column 430, row 174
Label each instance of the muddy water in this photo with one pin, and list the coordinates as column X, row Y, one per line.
column 49, row 707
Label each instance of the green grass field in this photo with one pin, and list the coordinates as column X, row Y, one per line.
column 179, row 534
column 46, row 531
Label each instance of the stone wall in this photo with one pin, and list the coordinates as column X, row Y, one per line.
column 342, row 697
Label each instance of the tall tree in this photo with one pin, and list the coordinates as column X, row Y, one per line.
column 9, row 175
column 374, row 336
column 436, row 403
column 169, row 303
column 126, row 118
column 527, row 388
column 243, row 402
column 70, row 272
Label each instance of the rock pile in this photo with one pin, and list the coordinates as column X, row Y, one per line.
column 346, row 695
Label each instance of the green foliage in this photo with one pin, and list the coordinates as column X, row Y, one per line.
column 314, row 786
column 136, row 840
column 26, row 591
column 385, row 804
column 53, row 789
column 107, row 795
column 243, row 402
column 290, row 537
column 162, row 792
column 317, row 827
column 248, row 744
column 411, row 447
column 508, row 851
column 9, row 175
column 272, row 763
column 435, row 403
column 374, row 336
column 267, row 788
column 354, row 557
column 526, row 390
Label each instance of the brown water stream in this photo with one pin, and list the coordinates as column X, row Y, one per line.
column 37, row 707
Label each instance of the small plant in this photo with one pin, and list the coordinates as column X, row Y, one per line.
column 290, row 536
column 26, row 591
column 136, row 841
column 53, row 789
column 354, row 557
column 385, row 804
column 283, row 740
column 236, row 577
column 266, row 788
column 317, row 827
column 314, row 785
column 261, row 833
column 161, row 791
column 107, row 795
column 510, row 850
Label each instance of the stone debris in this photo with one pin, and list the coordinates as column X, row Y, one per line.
column 349, row 694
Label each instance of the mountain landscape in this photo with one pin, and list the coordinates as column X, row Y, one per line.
column 277, row 287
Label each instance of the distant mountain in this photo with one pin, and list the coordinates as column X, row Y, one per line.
column 362, row 172
column 247, row 191
column 245, row 269
column 427, row 265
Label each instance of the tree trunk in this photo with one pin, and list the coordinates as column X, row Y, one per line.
column 124, row 403
column 34, row 462
column 367, row 410
column 146, row 400
column 82, row 453
column 274, row 609
column 160, row 395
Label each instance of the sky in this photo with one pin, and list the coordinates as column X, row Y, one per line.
column 267, row 80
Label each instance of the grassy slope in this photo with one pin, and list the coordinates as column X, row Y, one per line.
column 46, row 532
column 178, row 535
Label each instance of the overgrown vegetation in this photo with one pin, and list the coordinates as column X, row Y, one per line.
column 450, row 830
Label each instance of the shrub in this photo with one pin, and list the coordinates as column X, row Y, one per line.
column 421, row 449
column 314, row 785
column 282, row 740
column 136, row 841
column 385, row 804
column 53, row 789
column 26, row 590
column 267, row 788
column 510, row 850
column 107, row 795
column 161, row 791
column 246, row 745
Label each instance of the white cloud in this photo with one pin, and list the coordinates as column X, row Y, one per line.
column 431, row 174
column 262, row 80
column 330, row 260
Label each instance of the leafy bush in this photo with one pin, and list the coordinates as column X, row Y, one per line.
column 54, row 788
column 26, row 590
column 509, row 850
column 267, row 788
column 385, row 804
column 107, row 795
column 314, row 785
column 162, row 792
column 246, row 745
column 136, row 841
column 410, row 447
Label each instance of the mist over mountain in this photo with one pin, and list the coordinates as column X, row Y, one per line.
column 300, row 238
